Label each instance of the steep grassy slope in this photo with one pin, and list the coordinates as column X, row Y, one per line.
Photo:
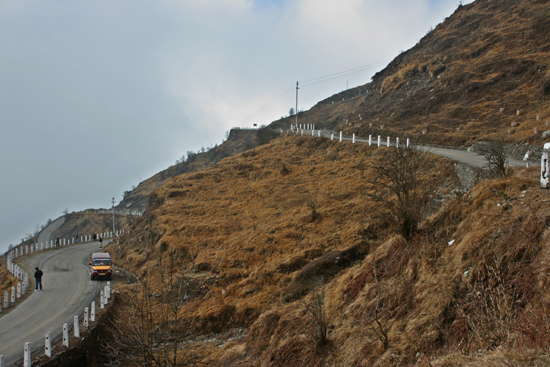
column 237, row 142
column 483, row 72
column 243, row 234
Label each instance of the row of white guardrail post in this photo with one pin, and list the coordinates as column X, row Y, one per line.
column 88, row 316
column 16, row 291
column 300, row 128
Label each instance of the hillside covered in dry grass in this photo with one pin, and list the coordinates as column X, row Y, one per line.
column 282, row 240
column 480, row 74
column 281, row 255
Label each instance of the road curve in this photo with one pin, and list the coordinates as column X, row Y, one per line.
column 67, row 291
column 46, row 234
column 468, row 157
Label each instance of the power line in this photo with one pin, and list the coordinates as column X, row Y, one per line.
column 321, row 79
column 356, row 70
column 268, row 106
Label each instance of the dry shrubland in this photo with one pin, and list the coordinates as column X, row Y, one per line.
column 469, row 283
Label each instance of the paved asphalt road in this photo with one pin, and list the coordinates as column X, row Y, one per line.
column 67, row 291
column 46, row 234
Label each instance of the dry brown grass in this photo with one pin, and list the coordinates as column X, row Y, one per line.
column 466, row 80
column 249, row 240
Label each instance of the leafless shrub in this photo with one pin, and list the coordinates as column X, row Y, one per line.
column 376, row 319
column 315, row 306
column 496, row 153
column 313, row 206
column 398, row 184
column 148, row 331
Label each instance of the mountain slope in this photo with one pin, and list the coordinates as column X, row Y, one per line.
column 482, row 73
column 280, row 258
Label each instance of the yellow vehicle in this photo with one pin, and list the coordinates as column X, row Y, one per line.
column 101, row 266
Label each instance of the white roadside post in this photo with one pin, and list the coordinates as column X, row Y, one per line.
column 27, row 355
column 102, row 297
column 408, row 142
column 92, row 312
column 332, row 136
column 378, row 141
column 18, row 289
column 13, row 294
column 65, row 335
column 388, row 144
column 85, row 323
column 6, row 300
column 47, row 345
column 319, row 133
column 340, row 136
column 76, row 327
column 353, row 139
column 105, row 295
column 397, row 142
column 370, row 140
column 312, row 132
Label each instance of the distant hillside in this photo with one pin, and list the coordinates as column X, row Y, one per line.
column 237, row 141
column 482, row 73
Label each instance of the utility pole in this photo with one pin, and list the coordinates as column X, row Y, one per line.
column 296, row 111
column 114, row 233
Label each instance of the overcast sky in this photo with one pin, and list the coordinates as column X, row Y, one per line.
column 96, row 96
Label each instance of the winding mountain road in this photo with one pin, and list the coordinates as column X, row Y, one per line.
column 468, row 157
column 67, row 291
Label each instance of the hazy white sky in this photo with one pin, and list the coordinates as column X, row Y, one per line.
column 98, row 95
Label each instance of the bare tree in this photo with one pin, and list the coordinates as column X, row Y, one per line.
column 398, row 184
column 376, row 320
column 315, row 306
column 496, row 153
column 149, row 332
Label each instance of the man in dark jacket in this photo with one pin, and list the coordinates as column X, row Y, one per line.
column 38, row 278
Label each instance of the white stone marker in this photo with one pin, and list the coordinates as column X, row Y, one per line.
column 85, row 323
column 27, row 355
column 65, row 335
column 92, row 312
column 47, row 345
column 76, row 327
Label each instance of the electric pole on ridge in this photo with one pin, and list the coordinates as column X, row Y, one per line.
column 114, row 233
column 296, row 111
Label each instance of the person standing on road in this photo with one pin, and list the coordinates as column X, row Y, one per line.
column 38, row 278
column 100, row 241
